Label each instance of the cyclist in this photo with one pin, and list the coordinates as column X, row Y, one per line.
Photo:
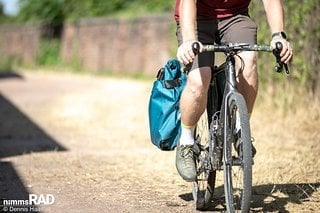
column 217, row 21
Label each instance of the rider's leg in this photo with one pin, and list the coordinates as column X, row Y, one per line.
column 194, row 97
column 194, row 100
column 248, row 77
column 241, row 29
column 248, row 80
column 192, row 103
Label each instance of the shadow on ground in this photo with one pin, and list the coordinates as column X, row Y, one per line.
column 266, row 198
column 12, row 191
column 9, row 74
column 18, row 135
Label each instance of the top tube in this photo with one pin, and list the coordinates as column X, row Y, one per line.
column 233, row 47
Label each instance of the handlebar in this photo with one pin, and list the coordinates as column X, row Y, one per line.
column 279, row 64
column 232, row 48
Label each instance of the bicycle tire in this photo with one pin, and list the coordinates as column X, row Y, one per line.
column 237, row 155
column 203, row 187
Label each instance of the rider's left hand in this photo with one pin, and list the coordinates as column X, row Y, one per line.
column 286, row 53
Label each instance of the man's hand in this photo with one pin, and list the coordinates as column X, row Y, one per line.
column 286, row 53
column 185, row 54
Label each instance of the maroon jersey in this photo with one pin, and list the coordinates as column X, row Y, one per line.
column 217, row 8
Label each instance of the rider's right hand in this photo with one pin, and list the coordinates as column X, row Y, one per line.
column 185, row 53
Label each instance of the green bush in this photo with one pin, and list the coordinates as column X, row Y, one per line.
column 7, row 63
column 49, row 53
column 303, row 28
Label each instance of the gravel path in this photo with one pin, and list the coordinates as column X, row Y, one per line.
column 85, row 140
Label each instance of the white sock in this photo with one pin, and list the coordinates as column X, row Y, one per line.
column 187, row 135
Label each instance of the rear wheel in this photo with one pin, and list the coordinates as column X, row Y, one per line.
column 237, row 156
column 203, row 187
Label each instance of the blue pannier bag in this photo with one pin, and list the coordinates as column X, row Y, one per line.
column 164, row 109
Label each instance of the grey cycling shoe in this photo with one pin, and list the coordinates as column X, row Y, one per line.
column 185, row 162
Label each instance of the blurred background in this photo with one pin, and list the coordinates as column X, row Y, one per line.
column 135, row 36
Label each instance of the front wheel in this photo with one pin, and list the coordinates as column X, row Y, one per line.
column 237, row 155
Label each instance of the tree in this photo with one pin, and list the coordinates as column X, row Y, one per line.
column 44, row 11
column 47, row 12
column 75, row 9
column 1, row 10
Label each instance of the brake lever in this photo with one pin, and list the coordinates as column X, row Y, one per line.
column 279, row 64
column 286, row 68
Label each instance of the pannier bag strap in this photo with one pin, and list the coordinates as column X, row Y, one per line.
column 170, row 84
column 160, row 74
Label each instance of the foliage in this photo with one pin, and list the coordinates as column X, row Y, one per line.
column 4, row 18
column 7, row 63
column 49, row 11
column 49, row 53
column 152, row 6
column 44, row 11
column 75, row 9
column 303, row 29
column 1, row 9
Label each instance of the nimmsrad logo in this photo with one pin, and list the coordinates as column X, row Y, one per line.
column 34, row 199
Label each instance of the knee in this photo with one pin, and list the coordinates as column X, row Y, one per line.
column 198, row 82
column 195, row 85
column 249, row 65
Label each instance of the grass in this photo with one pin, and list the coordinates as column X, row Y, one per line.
column 7, row 64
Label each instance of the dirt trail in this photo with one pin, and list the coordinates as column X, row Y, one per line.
column 85, row 140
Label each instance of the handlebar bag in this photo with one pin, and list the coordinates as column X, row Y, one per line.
column 164, row 109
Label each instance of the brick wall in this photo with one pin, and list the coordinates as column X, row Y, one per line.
column 140, row 45
column 100, row 44
column 20, row 42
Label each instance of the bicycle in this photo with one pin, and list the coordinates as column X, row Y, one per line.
column 223, row 135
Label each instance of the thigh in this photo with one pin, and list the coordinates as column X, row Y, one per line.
column 199, row 78
column 206, row 33
column 240, row 29
column 246, row 62
column 237, row 29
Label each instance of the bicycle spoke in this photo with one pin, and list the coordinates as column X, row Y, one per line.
column 202, row 189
